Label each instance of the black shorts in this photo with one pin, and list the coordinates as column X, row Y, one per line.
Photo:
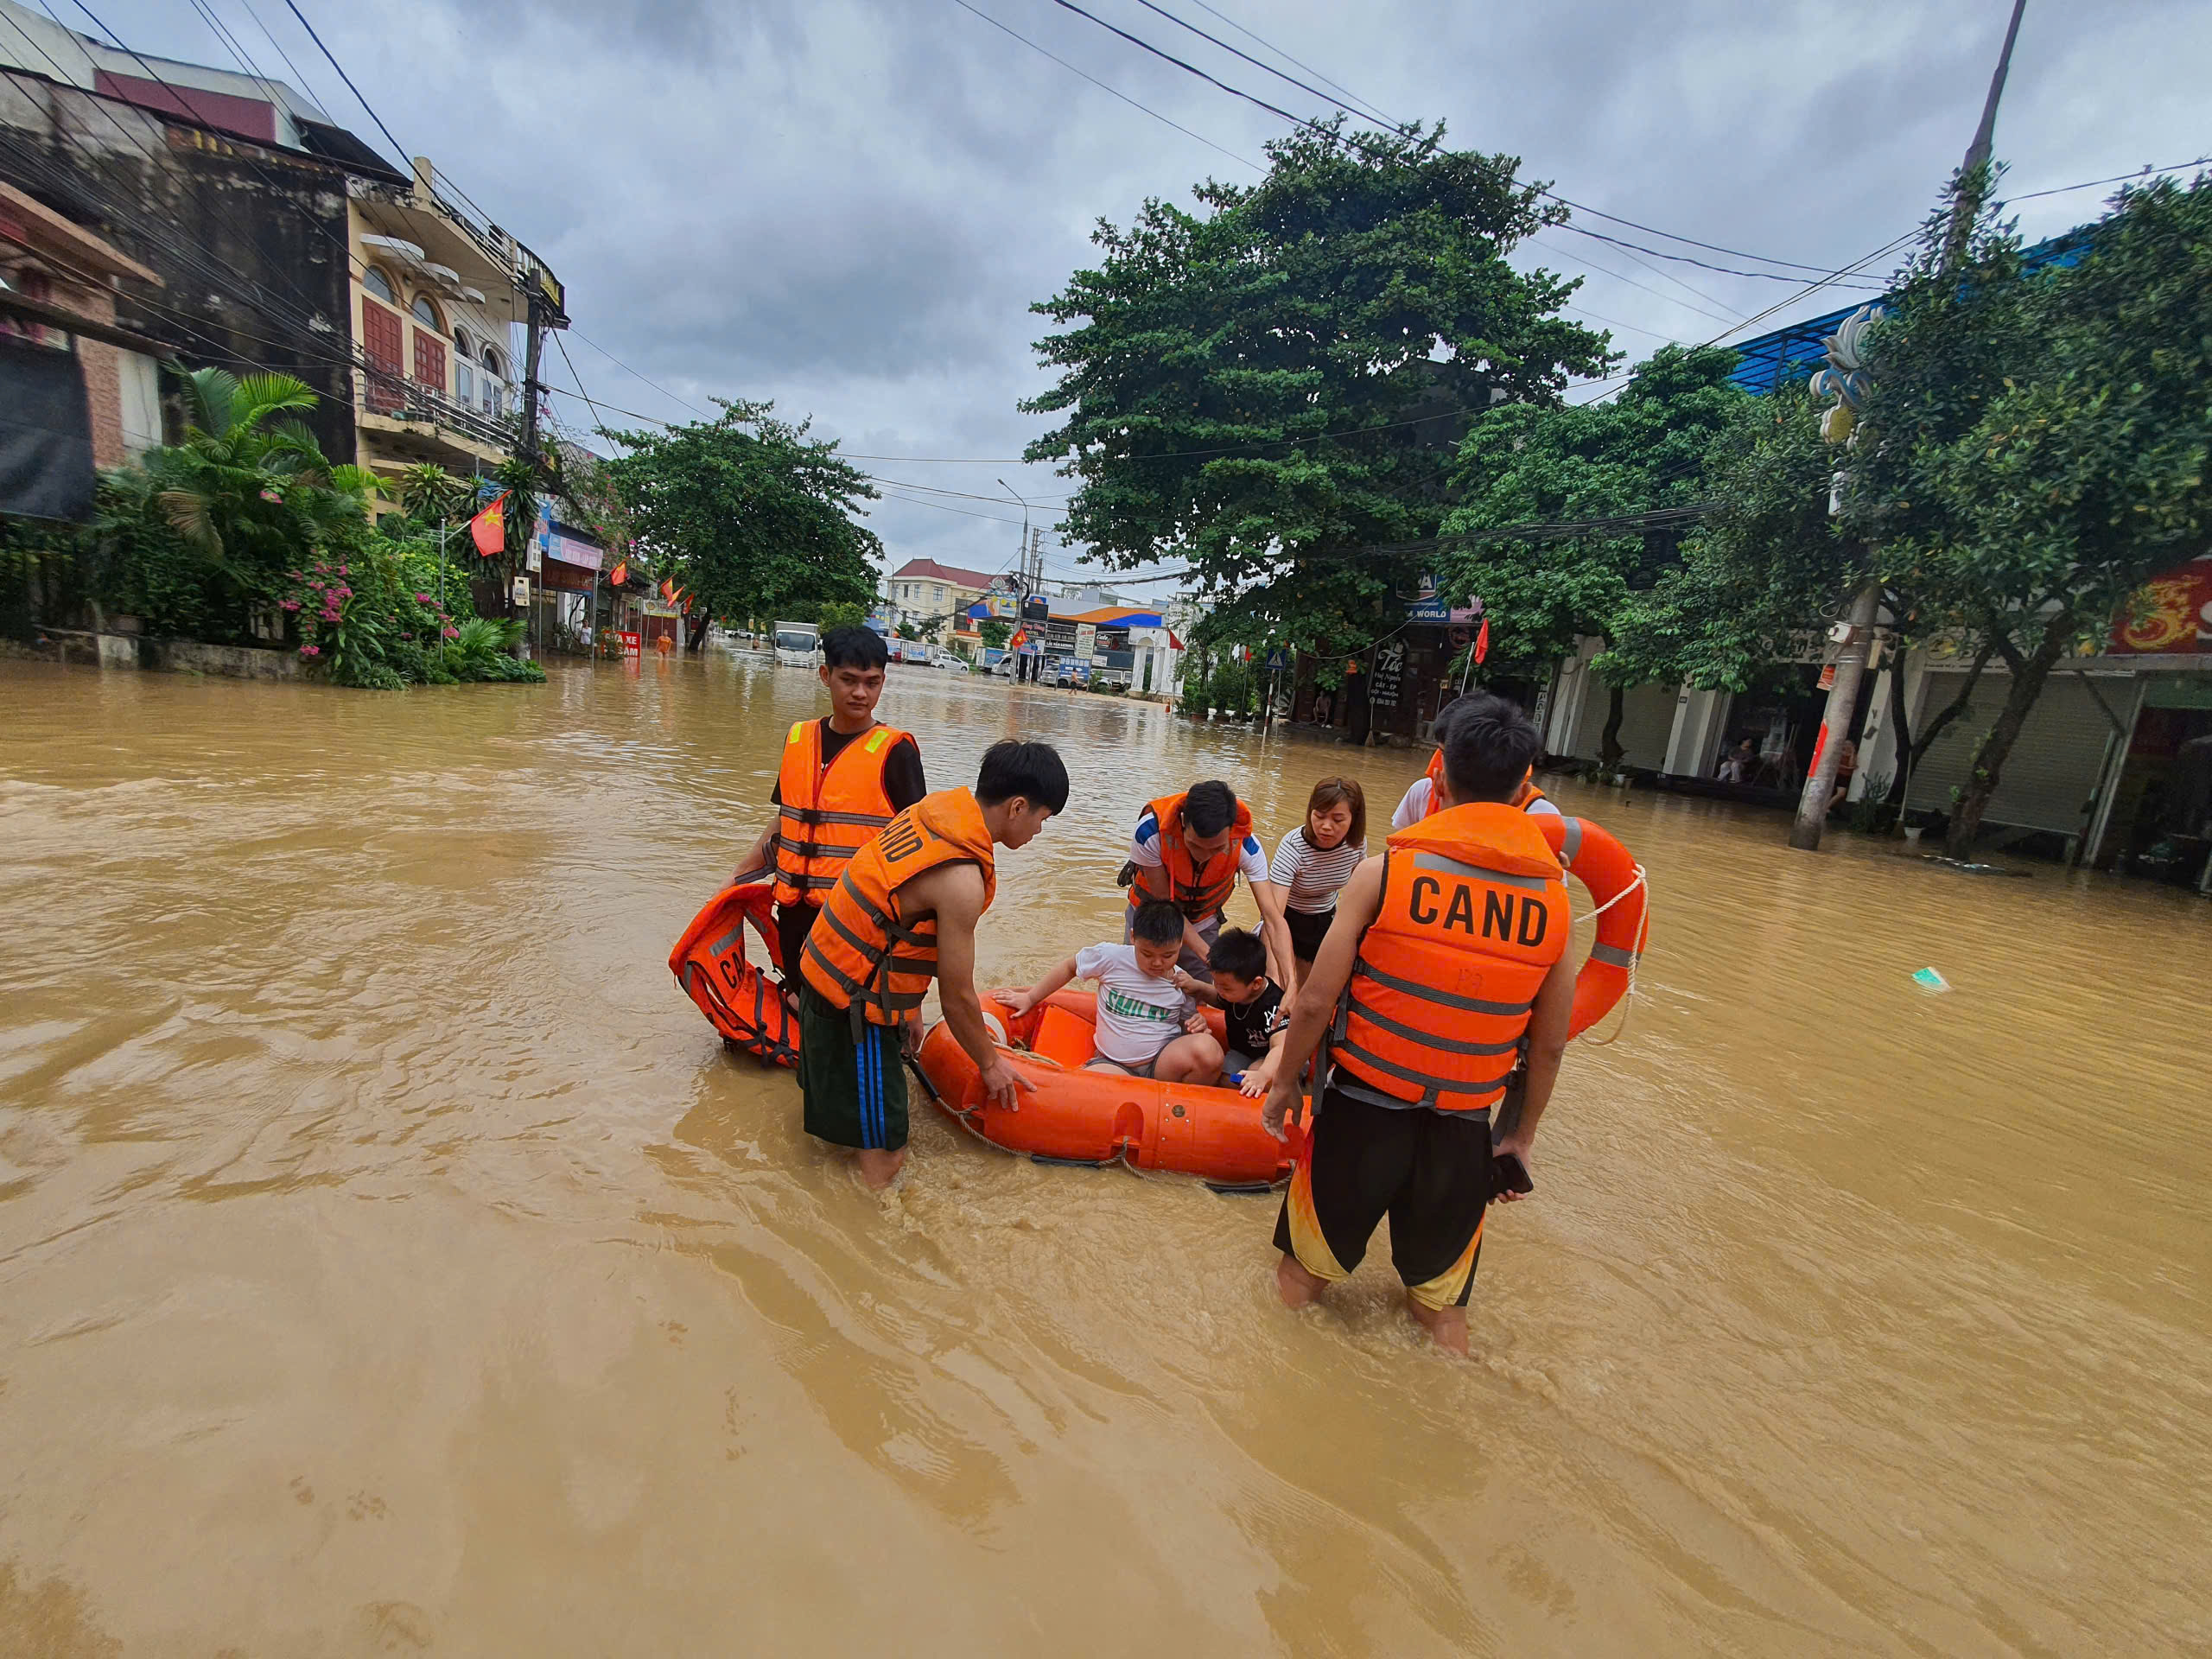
column 1429, row 1172
column 1307, row 929
column 853, row 1088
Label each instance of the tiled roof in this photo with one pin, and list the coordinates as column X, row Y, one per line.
column 931, row 570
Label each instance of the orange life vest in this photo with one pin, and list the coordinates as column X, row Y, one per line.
column 1196, row 890
column 828, row 812
column 1529, row 795
column 1474, row 915
column 866, row 952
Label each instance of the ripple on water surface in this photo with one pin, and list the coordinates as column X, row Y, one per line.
column 391, row 1257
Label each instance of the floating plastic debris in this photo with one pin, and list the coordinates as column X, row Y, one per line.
column 1928, row 979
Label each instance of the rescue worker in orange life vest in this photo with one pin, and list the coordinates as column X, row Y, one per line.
column 1189, row 849
column 843, row 778
column 1448, row 951
column 1419, row 798
column 903, row 916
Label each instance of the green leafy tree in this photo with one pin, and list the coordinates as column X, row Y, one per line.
column 1521, row 463
column 842, row 614
column 748, row 514
column 1270, row 386
column 994, row 634
column 2039, row 439
column 197, row 535
column 1765, row 568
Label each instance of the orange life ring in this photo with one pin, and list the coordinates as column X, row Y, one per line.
column 1615, row 881
column 739, row 998
column 1078, row 1116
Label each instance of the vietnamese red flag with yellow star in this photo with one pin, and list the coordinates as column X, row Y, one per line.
column 488, row 528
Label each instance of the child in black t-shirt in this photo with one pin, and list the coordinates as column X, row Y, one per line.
column 1251, row 1007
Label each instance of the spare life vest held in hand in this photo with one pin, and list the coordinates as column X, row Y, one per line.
column 828, row 813
column 866, row 952
column 1474, row 915
column 739, row 1000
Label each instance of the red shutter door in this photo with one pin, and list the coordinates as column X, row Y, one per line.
column 381, row 345
column 429, row 361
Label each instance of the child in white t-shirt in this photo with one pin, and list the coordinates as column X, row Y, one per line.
column 1147, row 1026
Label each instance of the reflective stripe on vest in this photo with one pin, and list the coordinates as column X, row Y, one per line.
column 1473, row 916
column 827, row 813
column 864, row 953
column 1198, row 892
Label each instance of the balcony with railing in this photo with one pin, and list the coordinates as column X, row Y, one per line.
column 382, row 391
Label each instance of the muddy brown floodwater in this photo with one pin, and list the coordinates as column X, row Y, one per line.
column 391, row 1260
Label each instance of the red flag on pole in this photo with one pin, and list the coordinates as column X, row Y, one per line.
column 622, row 575
column 488, row 528
column 1481, row 641
column 1020, row 635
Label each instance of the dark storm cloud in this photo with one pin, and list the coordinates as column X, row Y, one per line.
column 848, row 205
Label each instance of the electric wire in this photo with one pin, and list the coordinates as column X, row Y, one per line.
column 397, row 149
column 1112, row 92
column 1345, row 101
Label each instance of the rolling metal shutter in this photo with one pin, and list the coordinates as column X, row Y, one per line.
column 2049, row 777
column 1647, row 721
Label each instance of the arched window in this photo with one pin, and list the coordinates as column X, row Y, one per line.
column 375, row 282
column 494, row 401
column 464, row 380
column 427, row 313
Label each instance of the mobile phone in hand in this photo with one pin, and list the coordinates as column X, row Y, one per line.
column 1511, row 1174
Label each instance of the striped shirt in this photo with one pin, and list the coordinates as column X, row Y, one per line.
column 1311, row 877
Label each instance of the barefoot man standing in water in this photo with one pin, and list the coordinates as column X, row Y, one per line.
column 1447, row 950
column 904, row 913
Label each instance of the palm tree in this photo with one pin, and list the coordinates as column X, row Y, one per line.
column 249, row 490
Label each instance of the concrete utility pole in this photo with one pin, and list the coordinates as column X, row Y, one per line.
column 1865, row 604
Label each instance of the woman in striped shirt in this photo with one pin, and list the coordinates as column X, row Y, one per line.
column 1315, row 861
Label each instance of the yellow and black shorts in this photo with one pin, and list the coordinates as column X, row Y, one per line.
column 1430, row 1172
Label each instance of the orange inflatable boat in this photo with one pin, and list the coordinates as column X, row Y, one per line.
column 1078, row 1117
column 739, row 1000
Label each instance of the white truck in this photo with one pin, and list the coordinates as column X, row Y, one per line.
column 798, row 644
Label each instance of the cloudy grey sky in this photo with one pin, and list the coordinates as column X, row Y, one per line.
column 847, row 206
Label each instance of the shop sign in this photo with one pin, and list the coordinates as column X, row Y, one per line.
column 2172, row 613
column 1390, row 672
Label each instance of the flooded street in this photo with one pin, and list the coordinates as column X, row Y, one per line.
column 391, row 1260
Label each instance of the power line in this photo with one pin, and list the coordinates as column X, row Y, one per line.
column 1725, row 271
column 1104, row 87
column 1619, row 276
column 398, row 148
column 2117, row 178
column 1710, row 247
column 626, row 369
column 1292, row 80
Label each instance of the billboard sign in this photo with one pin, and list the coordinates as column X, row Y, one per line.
column 2172, row 613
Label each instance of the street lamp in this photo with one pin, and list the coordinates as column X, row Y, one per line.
column 1024, row 506
column 1021, row 580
